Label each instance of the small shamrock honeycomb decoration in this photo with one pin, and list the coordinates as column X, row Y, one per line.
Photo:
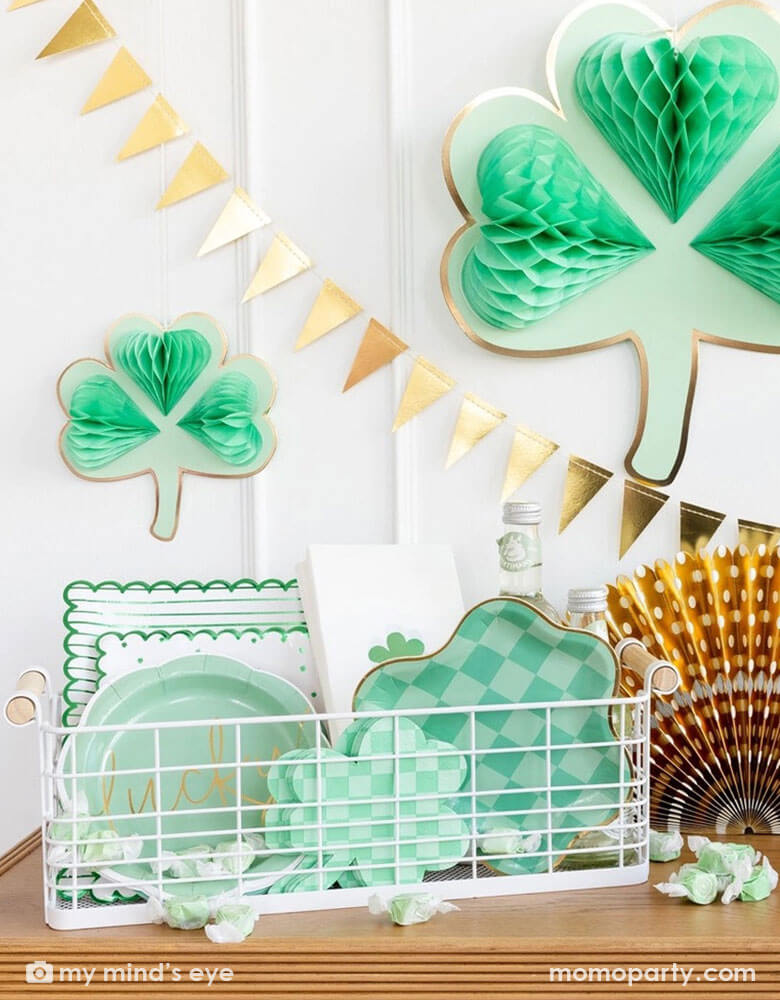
column 165, row 403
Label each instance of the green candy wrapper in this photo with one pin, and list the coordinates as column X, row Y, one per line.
column 694, row 884
column 508, row 840
column 234, row 923
column 722, row 859
column 762, row 882
column 409, row 908
column 665, row 846
column 181, row 914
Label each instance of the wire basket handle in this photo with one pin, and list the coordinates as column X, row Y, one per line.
column 23, row 706
column 657, row 675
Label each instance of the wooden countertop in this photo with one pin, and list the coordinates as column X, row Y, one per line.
column 490, row 948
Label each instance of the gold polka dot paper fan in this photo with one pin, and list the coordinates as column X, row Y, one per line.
column 715, row 742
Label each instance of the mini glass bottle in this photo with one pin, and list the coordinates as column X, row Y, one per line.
column 587, row 609
column 520, row 557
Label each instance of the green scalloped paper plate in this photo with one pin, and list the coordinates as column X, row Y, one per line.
column 503, row 652
column 94, row 609
column 190, row 688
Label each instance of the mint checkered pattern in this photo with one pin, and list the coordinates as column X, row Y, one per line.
column 502, row 653
column 377, row 845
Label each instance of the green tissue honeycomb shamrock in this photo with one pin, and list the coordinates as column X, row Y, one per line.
column 396, row 644
column 167, row 403
column 360, row 825
column 641, row 203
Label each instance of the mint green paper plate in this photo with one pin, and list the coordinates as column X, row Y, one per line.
column 188, row 689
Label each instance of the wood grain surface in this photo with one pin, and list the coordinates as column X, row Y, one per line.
column 491, row 948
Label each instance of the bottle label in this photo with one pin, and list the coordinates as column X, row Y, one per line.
column 516, row 551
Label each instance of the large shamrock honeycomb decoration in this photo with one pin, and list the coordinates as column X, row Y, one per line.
column 639, row 204
column 165, row 403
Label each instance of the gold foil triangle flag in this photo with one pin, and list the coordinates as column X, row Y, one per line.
column 426, row 384
column 159, row 125
column 85, row 26
column 238, row 218
column 583, row 481
column 331, row 308
column 529, row 452
column 476, row 419
column 697, row 526
column 377, row 348
column 640, row 505
column 16, row 4
column 283, row 260
column 754, row 533
column 199, row 172
column 122, row 78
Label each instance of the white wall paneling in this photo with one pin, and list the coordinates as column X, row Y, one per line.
column 332, row 114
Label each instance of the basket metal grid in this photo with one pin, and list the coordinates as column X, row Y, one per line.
column 568, row 844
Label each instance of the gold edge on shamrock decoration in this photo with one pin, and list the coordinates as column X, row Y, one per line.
column 554, row 107
column 158, row 383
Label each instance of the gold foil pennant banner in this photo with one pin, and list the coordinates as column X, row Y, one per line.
column 640, row 505
column 85, row 26
column 425, row 385
column 159, row 125
column 331, row 308
column 238, row 218
column 16, row 4
column 283, row 260
column 528, row 453
column 122, row 78
column 754, row 533
column 476, row 419
column 377, row 348
column 583, row 482
column 199, row 172
column 697, row 526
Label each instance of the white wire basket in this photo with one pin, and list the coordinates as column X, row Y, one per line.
column 384, row 821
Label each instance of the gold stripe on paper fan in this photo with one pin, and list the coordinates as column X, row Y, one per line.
column 697, row 526
column 754, row 533
column 199, row 172
column 476, row 419
column 640, row 505
column 122, row 78
column 425, row 385
column 159, row 125
column 85, row 26
column 528, row 453
column 238, row 218
column 377, row 348
column 583, row 482
column 283, row 260
column 331, row 308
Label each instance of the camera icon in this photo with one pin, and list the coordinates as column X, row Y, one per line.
column 39, row 972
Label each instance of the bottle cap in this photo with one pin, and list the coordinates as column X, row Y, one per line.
column 527, row 512
column 587, row 599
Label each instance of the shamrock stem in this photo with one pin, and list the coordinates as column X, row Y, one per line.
column 668, row 383
column 166, row 516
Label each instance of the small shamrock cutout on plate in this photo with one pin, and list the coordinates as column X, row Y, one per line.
column 357, row 811
column 638, row 202
column 165, row 403
column 396, row 644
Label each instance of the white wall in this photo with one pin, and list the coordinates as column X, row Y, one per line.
column 331, row 112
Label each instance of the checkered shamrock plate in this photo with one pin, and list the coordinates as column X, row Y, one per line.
column 505, row 652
